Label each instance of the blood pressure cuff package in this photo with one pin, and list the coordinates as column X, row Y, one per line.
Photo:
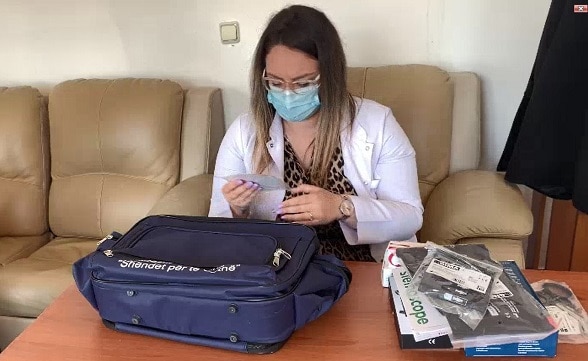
column 513, row 314
column 242, row 285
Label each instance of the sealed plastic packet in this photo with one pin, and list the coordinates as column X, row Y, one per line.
column 266, row 182
column 456, row 284
column 565, row 308
column 513, row 315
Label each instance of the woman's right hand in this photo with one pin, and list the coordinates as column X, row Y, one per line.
column 239, row 194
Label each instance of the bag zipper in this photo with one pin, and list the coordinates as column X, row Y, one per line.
column 129, row 243
column 210, row 220
column 276, row 262
column 284, row 293
column 110, row 236
column 277, row 254
column 235, row 220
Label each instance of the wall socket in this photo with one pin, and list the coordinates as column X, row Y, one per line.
column 229, row 32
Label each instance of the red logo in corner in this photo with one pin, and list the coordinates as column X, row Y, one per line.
column 581, row 8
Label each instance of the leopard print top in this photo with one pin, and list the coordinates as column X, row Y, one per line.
column 332, row 240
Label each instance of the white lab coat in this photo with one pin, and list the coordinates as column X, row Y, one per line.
column 379, row 162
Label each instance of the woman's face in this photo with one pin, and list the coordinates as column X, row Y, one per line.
column 290, row 65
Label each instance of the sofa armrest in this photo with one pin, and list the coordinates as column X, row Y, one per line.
column 203, row 127
column 472, row 204
column 190, row 197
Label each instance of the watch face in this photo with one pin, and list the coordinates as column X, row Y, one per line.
column 346, row 207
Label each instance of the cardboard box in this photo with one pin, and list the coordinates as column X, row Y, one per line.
column 545, row 348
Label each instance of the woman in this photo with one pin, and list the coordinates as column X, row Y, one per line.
column 350, row 168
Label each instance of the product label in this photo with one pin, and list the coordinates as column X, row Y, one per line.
column 425, row 320
column 568, row 325
column 464, row 277
column 500, row 290
column 493, row 310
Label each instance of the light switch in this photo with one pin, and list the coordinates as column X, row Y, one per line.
column 229, row 32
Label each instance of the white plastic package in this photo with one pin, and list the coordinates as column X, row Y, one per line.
column 564, row 307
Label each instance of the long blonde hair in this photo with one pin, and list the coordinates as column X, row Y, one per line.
column 310, row 31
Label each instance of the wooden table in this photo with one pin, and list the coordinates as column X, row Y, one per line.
column 359, row 327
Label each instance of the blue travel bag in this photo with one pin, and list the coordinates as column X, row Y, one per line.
column 242, row 285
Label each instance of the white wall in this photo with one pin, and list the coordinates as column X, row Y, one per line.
column 44, row 42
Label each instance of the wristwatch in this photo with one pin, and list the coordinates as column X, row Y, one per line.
column 346, row 207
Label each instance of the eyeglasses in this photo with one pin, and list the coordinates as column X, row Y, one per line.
column 298, row 86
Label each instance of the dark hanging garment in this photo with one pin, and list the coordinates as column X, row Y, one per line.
column 547, row 148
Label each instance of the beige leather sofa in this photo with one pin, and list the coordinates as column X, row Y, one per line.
column 440, row 112
column 117, row 151
column 104, row 154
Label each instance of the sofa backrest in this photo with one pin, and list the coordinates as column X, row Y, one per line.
column 423, row 100
column 24, row 162
column 115, row 150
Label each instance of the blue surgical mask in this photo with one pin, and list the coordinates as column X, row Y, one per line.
column 295, row 107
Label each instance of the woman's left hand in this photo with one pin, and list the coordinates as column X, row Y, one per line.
column 310, row 206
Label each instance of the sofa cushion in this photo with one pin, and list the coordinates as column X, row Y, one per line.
column 115, row 150
column 501, row 249
column 28, row 285
column 13, row 248
column 421, row 99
